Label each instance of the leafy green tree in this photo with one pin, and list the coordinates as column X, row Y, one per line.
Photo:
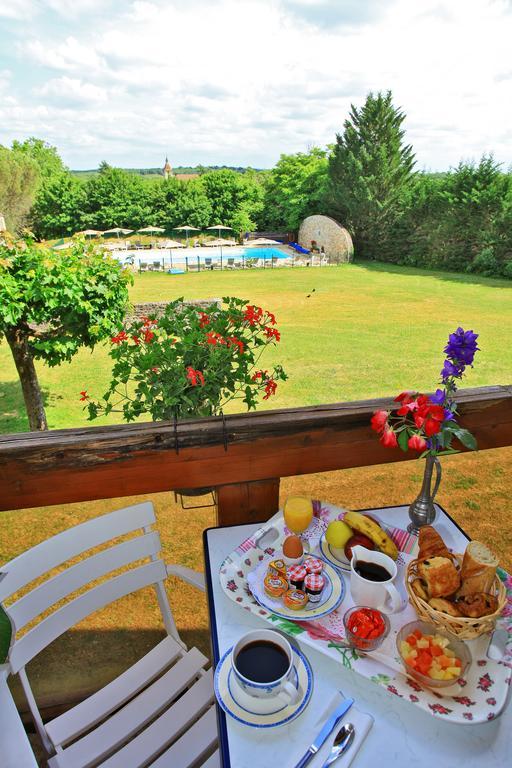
column 234, row 199
column 58, row 206
column 43, row 154
column 59, row 198
column 19, row 178
column 459, row 220
column 474, row 199
column 369, row 168
column 51, row 304
column 115, row 198
column 295, row 188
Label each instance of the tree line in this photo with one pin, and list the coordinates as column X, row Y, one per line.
column 367, row 180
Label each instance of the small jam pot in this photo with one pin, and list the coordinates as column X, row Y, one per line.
column 296, row 575
column 313, row 586
column 365, row 628
column 313, row 565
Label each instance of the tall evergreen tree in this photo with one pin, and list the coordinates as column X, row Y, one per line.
column 369, row 168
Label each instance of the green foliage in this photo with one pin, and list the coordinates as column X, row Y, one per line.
column 190, row 363
column 234, row 198
column 176, row 202
column 57, row 207
column 115, row 198
column 461, row 220
column 295, row 188
column 43, row 154
column 369, row 168
column 60, row 301
column 19, row 177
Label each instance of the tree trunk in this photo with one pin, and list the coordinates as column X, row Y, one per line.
column 18, row 342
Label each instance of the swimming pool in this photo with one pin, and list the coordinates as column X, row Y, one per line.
column 203, row 257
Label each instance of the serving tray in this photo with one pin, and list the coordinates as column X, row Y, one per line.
column 477, row 698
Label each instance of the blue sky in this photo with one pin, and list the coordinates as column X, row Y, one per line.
column 239, row 82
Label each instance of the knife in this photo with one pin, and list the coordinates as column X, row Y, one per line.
column 331, row 723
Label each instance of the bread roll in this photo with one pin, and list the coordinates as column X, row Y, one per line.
column 431, row 544
column 440, row 575
column 478, row 569
column 440, row 604
column 477, row 605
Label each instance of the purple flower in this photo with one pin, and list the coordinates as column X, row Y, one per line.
column 438, row 397
column 448, row 415
column 462, row 346
column 451, row 369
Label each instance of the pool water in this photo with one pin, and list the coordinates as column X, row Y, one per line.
column 176, row 257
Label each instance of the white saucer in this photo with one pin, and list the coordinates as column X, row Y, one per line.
column 341, row 563
column 251, row 711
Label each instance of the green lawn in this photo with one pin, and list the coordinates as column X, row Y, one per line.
column 366, row 330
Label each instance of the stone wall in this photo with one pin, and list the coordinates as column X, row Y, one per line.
column 157, row 308
column 329, row 235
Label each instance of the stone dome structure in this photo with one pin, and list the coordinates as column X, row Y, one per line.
column 328, row 236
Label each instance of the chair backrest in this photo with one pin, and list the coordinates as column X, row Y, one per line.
column 70, row 544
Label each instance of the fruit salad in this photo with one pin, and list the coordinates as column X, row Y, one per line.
column 430, row 655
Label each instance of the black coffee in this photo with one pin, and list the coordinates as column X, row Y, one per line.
column 262, row 661
column 371, row 571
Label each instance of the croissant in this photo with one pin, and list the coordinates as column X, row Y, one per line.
column 477, row 605
column 431, row 544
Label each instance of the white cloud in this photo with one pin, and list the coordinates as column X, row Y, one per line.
column 69, row 91
column 15, row 9
column 70, row 55
column 240, row 82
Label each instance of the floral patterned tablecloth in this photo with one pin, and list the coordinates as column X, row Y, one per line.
column 480, row 696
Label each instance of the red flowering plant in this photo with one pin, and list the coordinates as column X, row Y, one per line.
column 190, row 363
column 427, row 423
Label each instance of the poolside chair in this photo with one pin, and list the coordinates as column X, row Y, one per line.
column 208, row 263
column 160, row 710
column 230, row 263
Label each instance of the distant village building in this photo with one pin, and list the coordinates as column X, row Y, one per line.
column 168, row 172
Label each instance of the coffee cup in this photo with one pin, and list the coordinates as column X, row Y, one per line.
column 371, row 580
column 262, row 663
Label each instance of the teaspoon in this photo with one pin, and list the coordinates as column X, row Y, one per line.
column 343, row 740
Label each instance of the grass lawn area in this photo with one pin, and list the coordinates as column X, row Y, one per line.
column 366, row 330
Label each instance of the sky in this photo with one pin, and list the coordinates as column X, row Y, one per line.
column 240, row 82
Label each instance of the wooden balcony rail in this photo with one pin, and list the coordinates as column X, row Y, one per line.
column 244, row 456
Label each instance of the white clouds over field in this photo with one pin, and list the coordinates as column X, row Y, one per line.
column 240, row 81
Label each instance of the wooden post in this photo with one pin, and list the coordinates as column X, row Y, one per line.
column 247, row 502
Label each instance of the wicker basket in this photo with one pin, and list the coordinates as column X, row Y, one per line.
column 460, row 626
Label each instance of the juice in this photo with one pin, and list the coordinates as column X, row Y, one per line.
column 298, row 513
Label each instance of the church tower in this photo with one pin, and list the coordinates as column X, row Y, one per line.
column 167, row 170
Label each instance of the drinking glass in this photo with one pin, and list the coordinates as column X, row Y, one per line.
column 298, row 514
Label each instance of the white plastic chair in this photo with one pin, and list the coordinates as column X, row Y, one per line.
column 159, row 712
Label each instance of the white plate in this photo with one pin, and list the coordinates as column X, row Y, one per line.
column 246, row 709
column 332, row 595
column 338, row 562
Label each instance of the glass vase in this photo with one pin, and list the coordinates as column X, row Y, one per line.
column 422, row 511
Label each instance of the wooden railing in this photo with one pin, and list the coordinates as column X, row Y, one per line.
column 243, row 456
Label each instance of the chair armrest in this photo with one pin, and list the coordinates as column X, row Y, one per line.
column 195, row 578
column 16, row 750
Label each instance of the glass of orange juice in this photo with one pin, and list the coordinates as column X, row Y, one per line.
column 298, row 514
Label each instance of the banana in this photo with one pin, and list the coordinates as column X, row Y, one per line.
column 370, row 528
